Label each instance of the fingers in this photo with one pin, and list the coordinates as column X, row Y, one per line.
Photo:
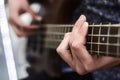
column 34, row 15
column 78, row 57
column 78, row 39
column 63, row 50
column 84, row 30
column 23, row 27
column 79, row 23
column 78, row 44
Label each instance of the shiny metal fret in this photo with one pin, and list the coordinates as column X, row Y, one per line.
column 99, row 40
column 91, row 39
column 107, row 52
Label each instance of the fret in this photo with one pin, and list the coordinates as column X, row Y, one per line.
column 92, row 39
column 99, row 40
column 108, row 40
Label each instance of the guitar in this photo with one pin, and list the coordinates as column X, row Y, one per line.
column 41, row 51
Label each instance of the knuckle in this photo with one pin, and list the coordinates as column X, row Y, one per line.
column 59, row 50
column 75, row 45
column 76, row 24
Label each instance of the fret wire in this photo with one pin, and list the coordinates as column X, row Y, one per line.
column 99, row 39
column 108, row 39
column 92, row 38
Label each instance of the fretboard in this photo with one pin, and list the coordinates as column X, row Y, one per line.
column 101, row 39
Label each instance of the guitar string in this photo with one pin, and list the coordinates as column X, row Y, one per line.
column 66, row 25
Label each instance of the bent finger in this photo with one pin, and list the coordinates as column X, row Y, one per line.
column 63, row 50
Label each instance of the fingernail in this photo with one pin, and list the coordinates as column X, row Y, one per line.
column 82, row 17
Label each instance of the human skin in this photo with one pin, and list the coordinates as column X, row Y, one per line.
column 73, row 51
column 16, row 8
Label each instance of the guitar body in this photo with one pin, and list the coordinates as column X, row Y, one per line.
column 45, row 59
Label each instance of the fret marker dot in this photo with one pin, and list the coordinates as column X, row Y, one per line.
column 103, row 39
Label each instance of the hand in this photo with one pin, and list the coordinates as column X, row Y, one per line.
column 16, row 7
column 73, row 51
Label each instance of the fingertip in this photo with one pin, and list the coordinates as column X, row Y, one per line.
column 86, row 24
column 82, row 17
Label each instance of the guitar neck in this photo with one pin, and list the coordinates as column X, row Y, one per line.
column 101, row 39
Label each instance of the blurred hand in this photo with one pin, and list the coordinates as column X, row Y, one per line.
column 16, row 8
column 73, row 51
